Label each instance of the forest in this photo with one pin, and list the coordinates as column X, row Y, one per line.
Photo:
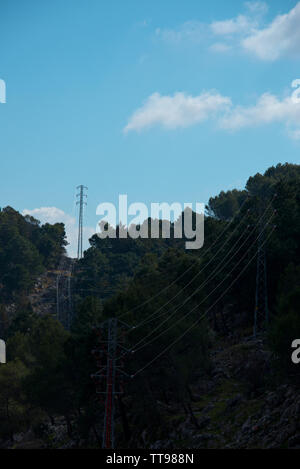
column 192, row 375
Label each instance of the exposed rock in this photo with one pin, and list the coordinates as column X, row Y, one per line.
column 259, row 419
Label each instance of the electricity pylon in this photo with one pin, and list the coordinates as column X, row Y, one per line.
column 108, row 378
column 81, row 202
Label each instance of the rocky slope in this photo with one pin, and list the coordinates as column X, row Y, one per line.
column 236, row 406
column 233, row 408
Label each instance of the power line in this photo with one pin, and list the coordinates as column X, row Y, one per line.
column 188, row 269
column 108, row 430
column 153, row 315
column 261, row 310
column 217, row 269
column 61, row 268
column 197, row 321
column 184, row 316
column 134, row 349
column 185, row 272
column 212, row 274
column 70, row 314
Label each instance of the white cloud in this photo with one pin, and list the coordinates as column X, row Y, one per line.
column 220, row 47
column 280, row 38
column 248, row 32
column 179, row 110
column 193, row 31
column 55, row 215
column 182, row 110
column 240, row 24
column 196, row 31
column 268, row 109
column 50, row 215
column 257, row 8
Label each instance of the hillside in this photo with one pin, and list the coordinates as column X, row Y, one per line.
column 195, row 376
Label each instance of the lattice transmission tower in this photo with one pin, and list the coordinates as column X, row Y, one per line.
column 81, row 202
column 109, row 376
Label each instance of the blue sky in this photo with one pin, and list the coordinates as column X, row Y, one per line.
column 162, row 100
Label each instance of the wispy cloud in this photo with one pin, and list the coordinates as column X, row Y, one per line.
column 243, row 24
column 196, row 31
column 267, row 110
column 240, row 25
column 279, row 39
column 220, row 47
column 246, row 32
column 179, row 110
column 257, row 8
column 193, row 31
column 183, row 110
column 55, row 215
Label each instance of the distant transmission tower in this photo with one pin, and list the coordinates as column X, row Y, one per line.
column 81, row 202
